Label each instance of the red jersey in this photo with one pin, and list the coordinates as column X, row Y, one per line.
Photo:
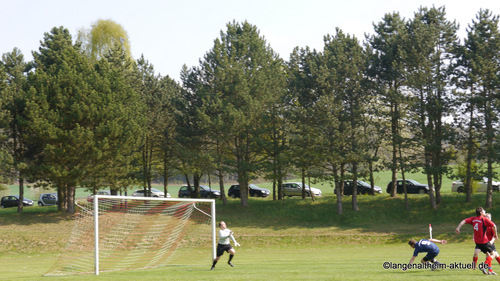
column 480, row 224
column 489, row 233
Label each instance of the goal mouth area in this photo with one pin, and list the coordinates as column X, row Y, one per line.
column 115, row 233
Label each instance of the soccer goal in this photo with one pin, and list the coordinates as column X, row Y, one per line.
column 122, row 232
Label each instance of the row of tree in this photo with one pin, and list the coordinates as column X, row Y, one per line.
column 411, row 96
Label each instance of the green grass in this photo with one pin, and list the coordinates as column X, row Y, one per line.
column 292, row 239
column 335, row 262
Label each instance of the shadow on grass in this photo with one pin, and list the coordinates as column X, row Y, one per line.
column 33, row 215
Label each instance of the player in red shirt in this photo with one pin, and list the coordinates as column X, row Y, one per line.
column 480, row 224
column 489, row 234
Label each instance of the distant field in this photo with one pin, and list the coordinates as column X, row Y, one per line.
column 381, row 180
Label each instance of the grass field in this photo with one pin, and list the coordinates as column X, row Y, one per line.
column 335, row 262
column 292, row 239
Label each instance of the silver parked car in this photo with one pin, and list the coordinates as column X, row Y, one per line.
column 295, row 189
column 154, row 193
column 47, row 199
column 482, row 186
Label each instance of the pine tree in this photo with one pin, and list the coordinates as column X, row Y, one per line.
column 386, row 69
column 244, row 75
column 429, row 56
column 481, row 58
column 84, row 117
column 17, row 138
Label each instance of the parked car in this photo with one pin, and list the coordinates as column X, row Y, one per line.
column 482, row 186
column 90, row 198
column 13, row 201
column 253, row 190
column 205, row 192
column 412, row 186
column 362, row 188
column 47, row 199
column 295, row 189
column 154, row 193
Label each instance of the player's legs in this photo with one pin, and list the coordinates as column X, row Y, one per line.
column 488, row 250
column 431, row 258
column 495, row 253
column 475, row 257
column 220, row 252
column 231, row 252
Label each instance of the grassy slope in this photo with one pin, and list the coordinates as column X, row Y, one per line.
column 381, row 220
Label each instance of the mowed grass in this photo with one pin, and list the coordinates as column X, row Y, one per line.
column 335, row 262
column 292, row 239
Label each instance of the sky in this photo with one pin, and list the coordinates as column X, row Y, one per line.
column 171, row 33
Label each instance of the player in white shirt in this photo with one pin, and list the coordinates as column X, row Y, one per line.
column 224, row 245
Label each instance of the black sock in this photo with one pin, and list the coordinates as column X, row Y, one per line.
column 230, row 258
column 215, row 262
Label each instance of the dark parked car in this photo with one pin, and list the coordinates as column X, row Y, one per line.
column 47, row 199
column 13, row 201
column 363, row 188
column 412, row 186
column 205, row 192
column 253, row 190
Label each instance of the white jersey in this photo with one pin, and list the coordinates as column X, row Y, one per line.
column 224, row 236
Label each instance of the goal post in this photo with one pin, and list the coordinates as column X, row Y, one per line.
column 125, row 232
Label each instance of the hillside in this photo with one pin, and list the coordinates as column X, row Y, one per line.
column 381, row 220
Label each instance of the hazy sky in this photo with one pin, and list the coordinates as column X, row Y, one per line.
column 172, row 33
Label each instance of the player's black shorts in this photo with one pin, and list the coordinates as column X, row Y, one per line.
column 221, row 248
column 430, row 256
column 485, row 248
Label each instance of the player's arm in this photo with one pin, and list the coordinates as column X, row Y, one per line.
column 234, row 240
column 459, row 226
column 438, row 241
column 411, row 261
column 495, row 235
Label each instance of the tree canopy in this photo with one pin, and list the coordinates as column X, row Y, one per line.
column 410, row 97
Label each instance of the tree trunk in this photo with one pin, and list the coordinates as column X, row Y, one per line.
column 165, row 174
column 339, row 188
column 355, row 206
column 470, row 147
column 394, row 166
column 196, row 183
column 243, row 182
column 221, row 185
column 429, row 178
column 21, row 195
column 71, row 199
column 490, row 151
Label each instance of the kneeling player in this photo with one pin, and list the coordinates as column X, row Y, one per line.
column 426, row 246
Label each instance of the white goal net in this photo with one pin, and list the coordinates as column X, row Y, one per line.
column 120, row 232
